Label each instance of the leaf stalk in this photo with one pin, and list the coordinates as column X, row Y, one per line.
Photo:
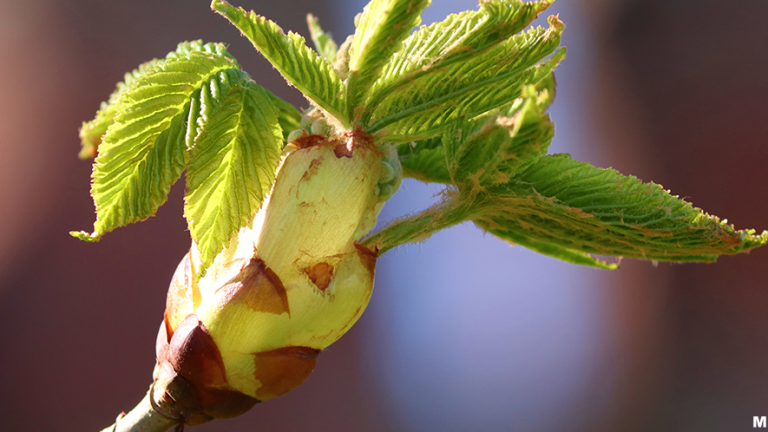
column 451, row 211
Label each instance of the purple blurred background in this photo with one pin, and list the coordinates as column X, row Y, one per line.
column 463, row 332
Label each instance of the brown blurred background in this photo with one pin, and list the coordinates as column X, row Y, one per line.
column 668, row 90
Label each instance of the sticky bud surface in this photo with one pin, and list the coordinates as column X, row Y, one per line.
column 286, row 288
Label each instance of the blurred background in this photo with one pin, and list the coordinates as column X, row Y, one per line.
column 463, row 333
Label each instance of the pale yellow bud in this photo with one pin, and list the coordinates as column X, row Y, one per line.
column 289, row 285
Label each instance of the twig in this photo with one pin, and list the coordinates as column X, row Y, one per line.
column 142, row 418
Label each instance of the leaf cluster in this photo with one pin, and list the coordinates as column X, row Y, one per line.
column 195, row 110
column 464, row 101
column 507, row 185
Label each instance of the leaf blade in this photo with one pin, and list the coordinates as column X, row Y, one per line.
column 457, row 38
column 324, row 43
column 468, row 89
column 300, row 65
column 289, row 117
column 142, row 153
column 559, row 203
column 425, row 161
column 232, row 167
column 380, row 30
column 489, row 151
column 91, row 132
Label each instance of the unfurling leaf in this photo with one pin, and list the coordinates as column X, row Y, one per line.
column 464, row 90
column 92, row 132
column 324, row 43
column 487, row 150
column 143, row 151
column 299, row 64
column 379, row 33
column 568, row 209
column 425, row 161
column 465, row 99
column 553, row 205
column 483, row 153
column 288, row 117
column 458, row 38
column 232, row 167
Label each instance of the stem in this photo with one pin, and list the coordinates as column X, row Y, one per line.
column 419, row 226
column 141, row 419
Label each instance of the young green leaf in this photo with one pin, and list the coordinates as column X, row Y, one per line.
column 142, row 153
column 527, row 136
column 205, row 100
column 381, row 28
column 323, row 41
column 565, row 208
column 546, row 89
column 569, row 210
column 483, row 153
column 471, row 88
column 458, row 38
column 289, row 117
column 552, row 250
column 232, row 167
column 299, row 64
column 188, row 47
column 425, row 161
column 92, row 132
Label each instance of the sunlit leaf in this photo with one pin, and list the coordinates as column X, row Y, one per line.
column 232, row 167
column 486, row 152
column 458, row 38
column 565, row 208
column 379, row 33
column 288, row 117
column 143, row 151
column 288, row 53
column 324, row 43
column 92, row 132
column 471, row 88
